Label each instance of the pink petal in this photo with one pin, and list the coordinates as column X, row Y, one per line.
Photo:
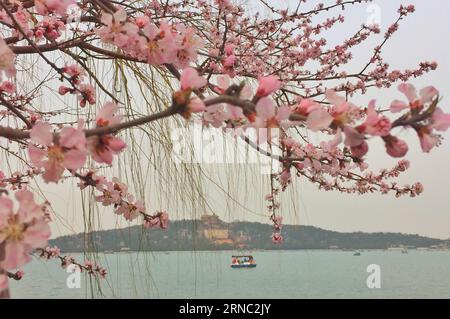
column 71, row 137
column 190, row 80
column 36, row 155
column 372, row 115
column 53, row 172
column 36, row 236
column 397, row 106
column 265, row 108
column 409, row 90
column 107, row 112
column 3, row 282
column 334, row 98
column 6, row 206
column 196, row 105
column 120, row 15
column 268, row 85
column 16, row 255
column 104, row 156
column 352, row 137
column 246, row 92
column 336, row 140
column 24, row 195
column 427, row 94
column 116, row 144
column 41, row 134
column 74, row 159
column 283, row 113
column 441, row 121
column 234, row 112
column 223, row 82
column 319, row 119
column 428, row 142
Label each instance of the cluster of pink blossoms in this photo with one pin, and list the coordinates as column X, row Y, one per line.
column 277, row 238
column 157, row 43
column 342, row 116
column 21, row 231
column 115, row 193
column 88, row 266
column 189, row 82
column 47, row 7
column 68, row 149
column 85, row 91
column 438, row 121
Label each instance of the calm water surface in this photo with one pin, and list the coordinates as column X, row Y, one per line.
column 279, row 274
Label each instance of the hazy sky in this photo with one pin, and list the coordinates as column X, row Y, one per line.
column 422, row 36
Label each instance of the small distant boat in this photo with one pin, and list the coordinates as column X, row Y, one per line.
column 243, row 261
column 125, row 249
column 357, row 253
column 404, row 251
column 108, row 252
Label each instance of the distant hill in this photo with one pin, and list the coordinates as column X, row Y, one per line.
column 210, row 233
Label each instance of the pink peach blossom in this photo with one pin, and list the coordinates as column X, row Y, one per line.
column 269, row 115
column 215, row 115
column 19, row 274
column 116, row 29
column 67, row 151
column 103, row 147
column 44, row 7
column 427, row 95
column 440, row 120
column 319, row 119
column 285, row 177
column 267, row 85
column 277, row 238
column 87, row 94
column 188, row 46
column 428, row 140
column 160, row 220
column 22, row 231
column 277, row 222
column 340, row 106
column 353, row 137
column 130, row 209
column 196, row 105
column 8, row 87
column 108, row 115
column 375, row 124
column 306, row 106
column 190, row 80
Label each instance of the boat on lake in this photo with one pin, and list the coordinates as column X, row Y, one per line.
column 243, row 261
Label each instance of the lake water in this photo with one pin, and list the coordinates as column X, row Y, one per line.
column 279, row 274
